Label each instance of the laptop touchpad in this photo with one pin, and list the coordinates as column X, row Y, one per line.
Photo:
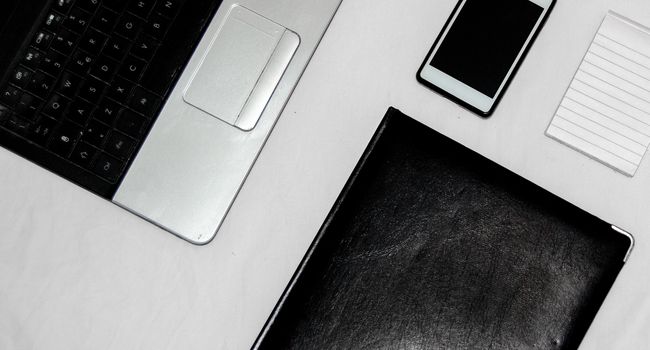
column 241, row 69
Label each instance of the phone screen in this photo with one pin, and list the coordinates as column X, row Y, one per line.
column 484, row 41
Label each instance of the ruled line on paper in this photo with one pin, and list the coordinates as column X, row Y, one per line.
column 587, row 97
column 586, row 68
column 625, row 56
column 594, row 58
column 631, row 130
column 605, row 112
column 619, row 86
column 614, row 40
column 597, row 140
column 602, row 125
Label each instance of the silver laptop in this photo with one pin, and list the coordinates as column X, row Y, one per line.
column 161, row 106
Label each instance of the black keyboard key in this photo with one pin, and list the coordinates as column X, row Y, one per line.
column 95, row 133
column 93, row 41
column 42, row 130
column 42, row 40
column 128, row 26
column 21, row 76
column 32, row 58
column 105, row 20
column 130, row 123
column 117, row 48
column 132, row 68
column 92, row 89
column 77, row 20
column 141, row 8
column 64, row 139
column 5, row 113
column 120, row 145
column 108, row 167
column 56, row 106
column 115, row 5
column 64, row 42
column 80, row 112
column 27, row 106
column 63, row 6
column 69, row 84
column 157, row 26
column 145, row 46
column 83, row 154
column 52, row 21
column 9, row 95
column 120, row 90
column 40, row 84
column 53, row 63
column 105, row 68
column 168, row 8
column 18, row 125
column 107, row 111
column 88, row 5
column 144, row 102
column 81, row 62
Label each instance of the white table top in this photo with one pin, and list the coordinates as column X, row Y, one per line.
column 77, row 272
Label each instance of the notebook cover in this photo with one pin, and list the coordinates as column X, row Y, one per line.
column 431, row 246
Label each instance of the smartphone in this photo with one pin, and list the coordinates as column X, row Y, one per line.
column 480, row 49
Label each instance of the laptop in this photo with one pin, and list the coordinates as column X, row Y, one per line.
column 159, row 106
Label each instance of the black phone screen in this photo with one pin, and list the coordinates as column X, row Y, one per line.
column 484, row 41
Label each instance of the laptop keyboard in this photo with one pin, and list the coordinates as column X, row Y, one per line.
column 93, row 79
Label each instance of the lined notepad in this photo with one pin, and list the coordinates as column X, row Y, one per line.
column 606, row 110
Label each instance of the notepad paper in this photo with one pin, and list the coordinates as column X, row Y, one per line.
column 605, row 113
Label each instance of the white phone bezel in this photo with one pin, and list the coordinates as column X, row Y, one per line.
column 463, row 91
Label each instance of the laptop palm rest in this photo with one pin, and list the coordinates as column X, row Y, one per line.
column 241, row 69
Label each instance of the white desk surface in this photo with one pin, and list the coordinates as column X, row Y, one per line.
column 76, row 272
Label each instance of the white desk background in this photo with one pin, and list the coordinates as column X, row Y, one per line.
column 77, row 272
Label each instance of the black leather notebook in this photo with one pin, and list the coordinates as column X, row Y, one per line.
column 431, row 246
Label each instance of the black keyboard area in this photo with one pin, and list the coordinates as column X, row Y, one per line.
column 90, row 80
